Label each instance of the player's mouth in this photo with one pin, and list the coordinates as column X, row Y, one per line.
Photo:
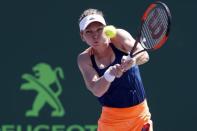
column 95, row 43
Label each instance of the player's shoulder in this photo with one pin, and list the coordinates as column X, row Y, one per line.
column 84, row 57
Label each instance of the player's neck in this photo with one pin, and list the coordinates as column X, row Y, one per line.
column 102, row 52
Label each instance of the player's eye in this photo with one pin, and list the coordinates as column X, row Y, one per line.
column 100, row 29
column 88, row 32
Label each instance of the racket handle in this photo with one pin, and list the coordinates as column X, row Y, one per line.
column 127, row 57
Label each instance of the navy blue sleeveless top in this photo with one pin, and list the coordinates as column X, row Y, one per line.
column 125, row 91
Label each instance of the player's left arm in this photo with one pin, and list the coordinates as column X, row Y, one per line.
column 125, row 42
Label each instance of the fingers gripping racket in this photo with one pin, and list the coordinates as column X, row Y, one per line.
column 154, row 29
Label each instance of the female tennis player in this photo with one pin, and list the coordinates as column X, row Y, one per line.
column 115, row 81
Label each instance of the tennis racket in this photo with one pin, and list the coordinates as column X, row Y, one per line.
column 154, row 29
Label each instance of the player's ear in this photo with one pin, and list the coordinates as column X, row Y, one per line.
column 81, row 34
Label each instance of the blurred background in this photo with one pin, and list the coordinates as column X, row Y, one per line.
column 32, row 32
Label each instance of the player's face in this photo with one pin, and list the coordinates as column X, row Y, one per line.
column 93, row 35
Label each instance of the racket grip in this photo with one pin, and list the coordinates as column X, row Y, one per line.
column 127, row 57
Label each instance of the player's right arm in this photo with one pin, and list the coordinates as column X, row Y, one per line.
column 97, row 85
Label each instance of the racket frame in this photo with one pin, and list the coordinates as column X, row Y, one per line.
column 143, row 18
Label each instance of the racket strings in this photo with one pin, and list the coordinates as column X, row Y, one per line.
column 156, row 21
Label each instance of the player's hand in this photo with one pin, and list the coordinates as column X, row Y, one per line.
column 116, row 70
column 127, row 62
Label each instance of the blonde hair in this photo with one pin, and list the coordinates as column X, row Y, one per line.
column 90, row 12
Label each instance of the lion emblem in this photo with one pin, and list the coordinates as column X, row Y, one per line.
column 41, row 82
